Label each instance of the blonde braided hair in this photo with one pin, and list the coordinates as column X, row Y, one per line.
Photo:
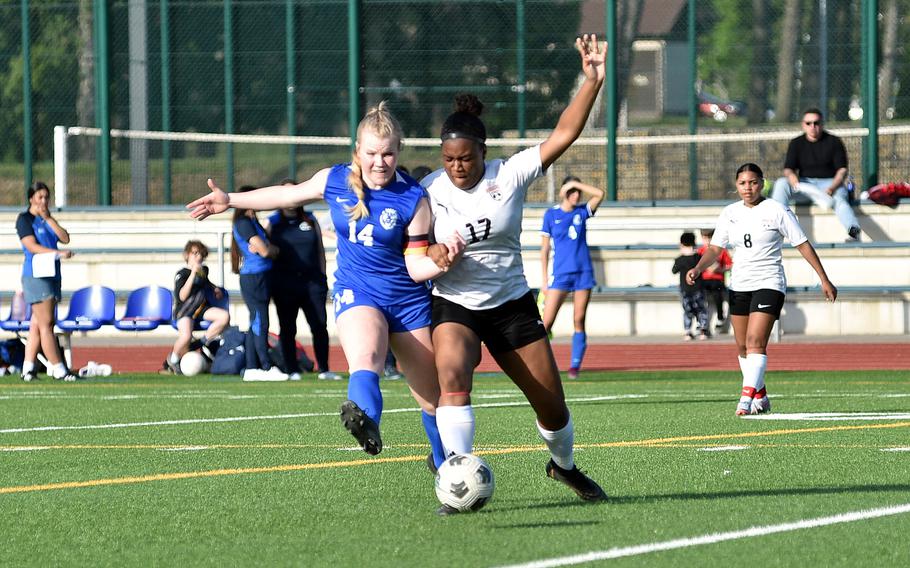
column 379, row 121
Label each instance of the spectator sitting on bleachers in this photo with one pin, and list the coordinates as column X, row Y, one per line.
column 192, row 295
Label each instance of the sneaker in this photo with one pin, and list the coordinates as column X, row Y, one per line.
column 581, row 484
column 760, row 405
column 573, row 373
column 252, row 374
column 687, row 337
column 431, row 464
column 744, row 407
column 703, row 336
column 854, row 233
column 392, row 374
column 294, row 377
column 362, row 427
column 276, row 374
column 328, row 376
column 30, row 376
column 168, row 368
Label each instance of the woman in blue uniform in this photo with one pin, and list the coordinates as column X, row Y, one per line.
column 39, row 233
column 299, row 283
column 251, row 258
column 382, row 220
column 566, row 225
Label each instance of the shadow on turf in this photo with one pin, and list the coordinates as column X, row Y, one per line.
column 757, row 493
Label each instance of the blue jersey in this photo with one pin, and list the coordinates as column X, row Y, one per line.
column 370, row 255
column 245, row 228
column 569, row 233
column 34, row 226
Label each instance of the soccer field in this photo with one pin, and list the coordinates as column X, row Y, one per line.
column 144, row 470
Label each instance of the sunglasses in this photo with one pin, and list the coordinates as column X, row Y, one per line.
column 813, row 123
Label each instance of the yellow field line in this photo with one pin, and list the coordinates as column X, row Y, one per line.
column 371, row 461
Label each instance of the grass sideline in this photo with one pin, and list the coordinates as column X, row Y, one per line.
column 145, row 470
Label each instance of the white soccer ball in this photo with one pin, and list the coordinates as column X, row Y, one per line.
column 464, row 482
column 193, row 363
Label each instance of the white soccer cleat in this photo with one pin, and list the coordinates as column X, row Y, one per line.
column 328, row 376
column 760, row 405
column 744, row 407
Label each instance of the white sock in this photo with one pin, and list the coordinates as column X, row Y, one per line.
column 744, row 367
column 757, row 363
column 173, row 358
column 28, row 367
column 58, row 370
column 456, row 428
column 561, row 444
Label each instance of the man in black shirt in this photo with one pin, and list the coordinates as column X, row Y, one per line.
column 815, row 170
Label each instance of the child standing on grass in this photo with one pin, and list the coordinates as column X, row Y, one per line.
column 194, row 294
column 692, row 296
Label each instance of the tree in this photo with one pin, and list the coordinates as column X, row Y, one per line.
column 785, row 59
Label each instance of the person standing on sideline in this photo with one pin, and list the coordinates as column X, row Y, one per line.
column 691, row 296
column 814, row 171
column 566, row 224
column 39, row 234
column 193, row 296
column 299, row 283
column 756, row 228
column 382, row 220
column 484, row 296
column 714, row 280
column 251, row 258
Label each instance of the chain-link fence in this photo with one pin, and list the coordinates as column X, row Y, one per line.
column 290, row 67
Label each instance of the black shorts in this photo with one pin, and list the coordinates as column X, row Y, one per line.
column 765, row 300
column 504, row 328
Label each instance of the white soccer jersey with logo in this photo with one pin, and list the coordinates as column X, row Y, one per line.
column 488, row 216
column 757, row 234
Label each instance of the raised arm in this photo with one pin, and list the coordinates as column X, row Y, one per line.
column 595, row 195
column 573, row 118
column 262, row 199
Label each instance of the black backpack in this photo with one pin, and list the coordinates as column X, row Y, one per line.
column 230, row 359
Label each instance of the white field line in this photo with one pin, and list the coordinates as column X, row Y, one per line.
column 24, row 449
column 716, row 537
column 896, row 449
column 831, row 416
column 723, row 449
column 276, row 416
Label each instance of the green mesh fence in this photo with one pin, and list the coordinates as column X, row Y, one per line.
column 757, row 65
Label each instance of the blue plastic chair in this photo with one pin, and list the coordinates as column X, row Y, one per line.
column 146, row 309
column 90, row 308
column 15, row 324
column 224, row 303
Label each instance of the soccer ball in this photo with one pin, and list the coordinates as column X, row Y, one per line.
column 193, row 363
column 464, row 482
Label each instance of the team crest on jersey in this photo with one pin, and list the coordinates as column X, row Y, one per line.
column 388, row 218
column 576, row 220
column 767, row 224
column 494, row 192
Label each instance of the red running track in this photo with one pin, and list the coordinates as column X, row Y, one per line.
column 606, row 357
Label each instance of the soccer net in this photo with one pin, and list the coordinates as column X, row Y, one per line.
column 159, row 168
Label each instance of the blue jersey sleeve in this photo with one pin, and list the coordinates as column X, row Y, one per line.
column 245, row 229
column 24, row 225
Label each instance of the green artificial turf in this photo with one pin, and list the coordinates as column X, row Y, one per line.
column 288, row 487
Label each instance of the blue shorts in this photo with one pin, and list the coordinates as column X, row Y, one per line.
column 37, row 290
column 572, row 281
column 405, row 316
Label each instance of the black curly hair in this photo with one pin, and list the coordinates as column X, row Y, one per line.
column 465, row 121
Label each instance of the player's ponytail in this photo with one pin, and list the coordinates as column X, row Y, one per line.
column 379, row 121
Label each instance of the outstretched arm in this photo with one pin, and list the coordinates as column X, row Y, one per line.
column 573, row 118
column 808, row 251
column 263, row 199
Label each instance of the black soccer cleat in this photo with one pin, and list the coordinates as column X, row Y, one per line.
column 446, row 510
column 581, row 484
column 30, row 376
column 362, row 427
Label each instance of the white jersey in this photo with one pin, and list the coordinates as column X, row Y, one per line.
column 488, row 216
column 757, row 234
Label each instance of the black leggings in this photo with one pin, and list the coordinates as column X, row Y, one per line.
column 291, row 295
column 255, row 289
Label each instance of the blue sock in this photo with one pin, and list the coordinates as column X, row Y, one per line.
column 579, row 344
column 429, row 426
column 363, row 390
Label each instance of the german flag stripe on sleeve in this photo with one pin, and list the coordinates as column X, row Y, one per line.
column 417, row 244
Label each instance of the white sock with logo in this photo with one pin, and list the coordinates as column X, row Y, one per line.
column 561, row 444
column 456, row 428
